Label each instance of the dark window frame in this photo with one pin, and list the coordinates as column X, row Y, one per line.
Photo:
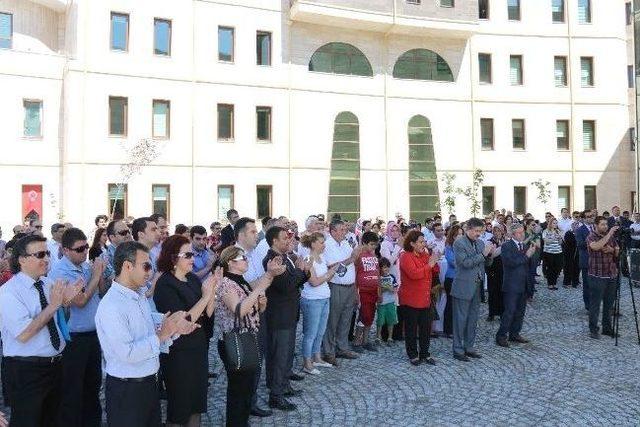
column 270, row 123
column 170, row 36
column 567, row 146
column 125, row 121
column 167, row 214
column 127, row 31
column 40, row 103
column 231, row 137
column 260, row 33
column 233, row 44
column 269, row 189
column 168, row 119
column 10, row 39
column 125, row 200
column 524, row 135
column 490, row 64
column 483, row 147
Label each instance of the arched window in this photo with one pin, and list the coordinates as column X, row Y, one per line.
column 423, row 181
column 340, row 58
column 344, row 184
column 422, row 64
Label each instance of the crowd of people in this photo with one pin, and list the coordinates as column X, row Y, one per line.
column 140, row 306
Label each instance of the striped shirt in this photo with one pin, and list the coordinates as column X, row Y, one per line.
column 552, row 242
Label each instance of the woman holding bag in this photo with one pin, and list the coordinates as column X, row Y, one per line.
column 235, row 293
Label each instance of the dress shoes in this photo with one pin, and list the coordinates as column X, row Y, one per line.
column 347, row 355
column 296, row 377
column 429, row 361
column 594, row 335
column 502, row 342
column 519, row 338
column 262, row 413
column 282, row 404
column 330, row 360
column 473, row 355
column 462, row 357
column 292, row 392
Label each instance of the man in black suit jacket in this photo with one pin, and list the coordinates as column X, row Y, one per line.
column 516, row 286
column 227, row 235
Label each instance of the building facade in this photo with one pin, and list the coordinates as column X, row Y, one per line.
column 279, row 107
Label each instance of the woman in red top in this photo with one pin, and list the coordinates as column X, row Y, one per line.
column 416, row 269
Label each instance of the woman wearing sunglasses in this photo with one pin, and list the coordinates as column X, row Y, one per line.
column 185, row 367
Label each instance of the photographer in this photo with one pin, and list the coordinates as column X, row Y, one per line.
column 603, row 270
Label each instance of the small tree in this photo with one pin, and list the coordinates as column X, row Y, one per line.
column 143, row 153
column 543, row 191
column 450, row 191
column 471, row 192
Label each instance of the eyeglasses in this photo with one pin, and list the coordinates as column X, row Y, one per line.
column 123, row 233
column 186, row 255
column 79, row 249
column 240, row 258
column 40, row 255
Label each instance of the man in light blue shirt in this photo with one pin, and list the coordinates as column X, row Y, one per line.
column 131, row 342
column 146, row 231
column 117, row 232
column 203, row 259
column 82, row 362
column 32, row 342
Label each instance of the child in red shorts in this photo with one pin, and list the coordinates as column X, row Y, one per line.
column 368, row 283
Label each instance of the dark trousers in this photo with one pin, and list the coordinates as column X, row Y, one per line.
column 553, row 267
column 34, row 392
column 585, row 286
column 132, row 403
column 447, row 322
column 602, row 291
column 417, row 330
column 571, row 270
column 239, row 393
column 262, row 347
column 82, row 378
column 280, row 347
column 515, row 305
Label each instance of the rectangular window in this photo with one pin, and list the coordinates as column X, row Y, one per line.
column 117, row 201
column 630, row 76
column 225, row 200
column 161, row 118
column 560, row 71
column 632, row 139
column 590, row 197
column 263, row 197
column 586, row 71
column 589, row 135
column 446, row 3
column 6, row 30
column 226, row 44
column 557, row 11
column 519, row 200
column 515, row 64
column 162, row 37
column 629, row 13
column 584, row 11
column 562, row 134
column 32, row 118
column 118, row 107
column 484, row 64
column 263, row 123
column 483, row 9
column 486, row 134
column 488, row 200
column 263, row 48
column 160, row 194
column 119, row 31
column 225, row 122
column 517, row 130
column 564, row 197
column 513, row 10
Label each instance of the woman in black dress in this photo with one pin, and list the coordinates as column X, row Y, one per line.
column 494, row 276
column 185, row 368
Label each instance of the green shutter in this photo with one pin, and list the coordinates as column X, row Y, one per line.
column 344, row 182
column 423, row 184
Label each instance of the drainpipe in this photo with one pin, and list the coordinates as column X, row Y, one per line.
column 572, row 139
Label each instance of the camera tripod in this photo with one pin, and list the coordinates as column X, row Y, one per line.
column 633, row 271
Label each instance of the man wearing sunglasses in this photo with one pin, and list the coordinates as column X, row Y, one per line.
column 32, row 340
column 131, row 342
column 81, row 365
column 55, row 243
column 145, row 230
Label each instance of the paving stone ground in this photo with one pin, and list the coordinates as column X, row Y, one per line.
column 561, row 378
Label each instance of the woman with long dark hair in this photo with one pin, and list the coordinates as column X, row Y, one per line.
column 99, row 244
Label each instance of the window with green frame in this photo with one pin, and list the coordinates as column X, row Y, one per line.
column 423, row 181
column 340, row 58
column 344, row 183
column 422, row 64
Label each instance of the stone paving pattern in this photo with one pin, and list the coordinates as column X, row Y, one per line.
column 562, row 377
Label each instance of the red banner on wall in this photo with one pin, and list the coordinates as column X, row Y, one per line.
column 32, row 201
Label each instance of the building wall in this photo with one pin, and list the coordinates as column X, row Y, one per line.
column 76, row 85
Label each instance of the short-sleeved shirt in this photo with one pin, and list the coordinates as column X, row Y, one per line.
column 388, row 284
column 19, row 306
column 602, row 264
column 335, row 252
column 82, row 319
column 321, row 291
column 636, row 228
column 367, row 271
column 224, row 315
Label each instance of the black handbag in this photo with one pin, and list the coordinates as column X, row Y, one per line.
column 240, row 347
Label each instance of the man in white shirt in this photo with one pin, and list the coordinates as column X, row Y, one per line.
column 565, row 222
column 130, row 341
column 32, row 338
column 344, row 295
column 436, row 244
column 635, row 231
column 54, row 244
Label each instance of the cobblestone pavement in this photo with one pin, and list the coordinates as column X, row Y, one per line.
column 561, row 378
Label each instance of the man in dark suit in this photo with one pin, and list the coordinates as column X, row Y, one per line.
column 582, row 232
column 516, row 286
column 624, row 223
column 227, row 235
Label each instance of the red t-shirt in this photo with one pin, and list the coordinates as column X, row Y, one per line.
column 367, row 271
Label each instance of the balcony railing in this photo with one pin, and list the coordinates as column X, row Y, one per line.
column 391, row 16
